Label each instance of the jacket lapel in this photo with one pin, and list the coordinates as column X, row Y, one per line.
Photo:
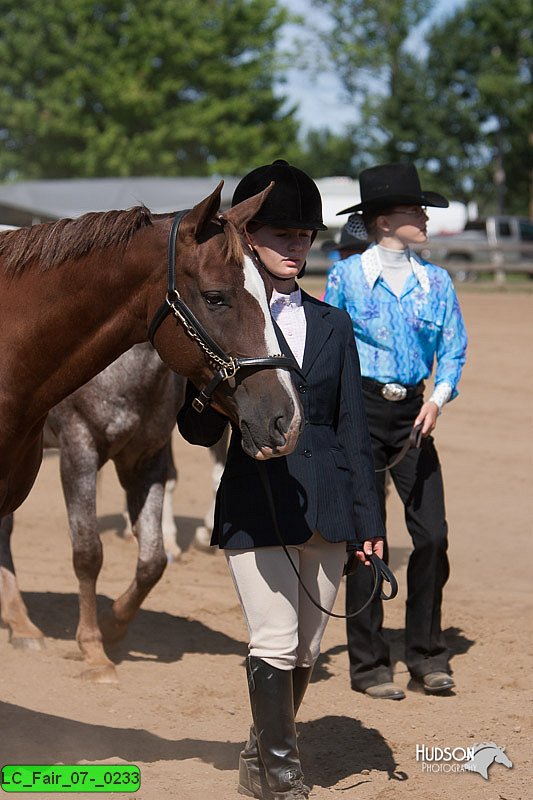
column 318, row 330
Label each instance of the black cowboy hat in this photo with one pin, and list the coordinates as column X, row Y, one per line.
column 294, row 201
column 392, row 184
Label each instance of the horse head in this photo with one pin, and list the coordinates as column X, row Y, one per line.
column 220, row 284
column 502, row 758
column 485, row 754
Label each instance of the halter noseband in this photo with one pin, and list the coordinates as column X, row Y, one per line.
column 226, row 366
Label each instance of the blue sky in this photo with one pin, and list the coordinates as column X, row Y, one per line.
column 319, row 99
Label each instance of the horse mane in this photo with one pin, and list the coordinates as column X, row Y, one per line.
column 53, row 243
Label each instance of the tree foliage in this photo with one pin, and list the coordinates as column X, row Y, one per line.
column 325, row 153
column 457, row 101
column 118, row 87
column 366, row 42
column 482, row 89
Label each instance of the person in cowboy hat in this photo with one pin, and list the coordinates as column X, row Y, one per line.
column 319, row 505
column 405, row 316
column 352, row 239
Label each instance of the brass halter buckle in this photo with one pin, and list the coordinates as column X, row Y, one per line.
column 394, row 392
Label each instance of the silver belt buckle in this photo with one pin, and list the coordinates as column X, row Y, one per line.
column 394, row 392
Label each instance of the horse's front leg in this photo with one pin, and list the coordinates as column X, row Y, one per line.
column 23, row 634
column 143, row 482
column 79, row 466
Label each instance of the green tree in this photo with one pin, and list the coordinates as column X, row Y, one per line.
column 120, row 87
column 457, row 101
column 366, row 43
column 480, row 85
column 325, row 153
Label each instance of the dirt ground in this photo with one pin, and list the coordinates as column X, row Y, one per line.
column 181, row 710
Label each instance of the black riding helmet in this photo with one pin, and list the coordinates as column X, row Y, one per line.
column 294, row 201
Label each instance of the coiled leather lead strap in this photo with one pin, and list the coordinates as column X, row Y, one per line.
column 414, row 441
column 380, row 569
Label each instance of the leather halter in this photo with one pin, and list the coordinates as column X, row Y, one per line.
column 226, row 366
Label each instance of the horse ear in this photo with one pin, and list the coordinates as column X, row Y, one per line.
column 204, row 211
column 243, row 212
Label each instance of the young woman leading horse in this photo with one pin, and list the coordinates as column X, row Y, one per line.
column 76, row 294
column 323, row 492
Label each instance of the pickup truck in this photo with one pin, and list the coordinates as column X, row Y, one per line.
column 486, row 244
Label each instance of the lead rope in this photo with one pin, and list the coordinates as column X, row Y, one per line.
column 379, row 568
column 414, row 440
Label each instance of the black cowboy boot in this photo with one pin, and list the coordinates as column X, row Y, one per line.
column 252, row 778
column 272, row 701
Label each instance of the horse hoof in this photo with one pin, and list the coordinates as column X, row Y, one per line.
column 103, row 674
column 202, row 540
column 28, row 643
column 173, row 555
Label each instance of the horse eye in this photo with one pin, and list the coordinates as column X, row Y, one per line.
column 214, row 299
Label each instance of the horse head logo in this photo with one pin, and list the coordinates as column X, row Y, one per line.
column 486, row 754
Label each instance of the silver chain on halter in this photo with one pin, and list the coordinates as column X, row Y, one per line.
column 229, row 366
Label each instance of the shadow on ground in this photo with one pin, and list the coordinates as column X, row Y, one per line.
column 152, row 633
column 456, row 639
column 333, row 748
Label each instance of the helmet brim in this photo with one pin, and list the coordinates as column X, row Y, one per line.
column 291, row 223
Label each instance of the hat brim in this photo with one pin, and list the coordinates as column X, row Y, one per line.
column 432, row 199
column 288, row 223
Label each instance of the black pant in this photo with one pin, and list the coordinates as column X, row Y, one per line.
column 418, row 480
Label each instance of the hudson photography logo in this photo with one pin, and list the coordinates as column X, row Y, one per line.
column 477, row 758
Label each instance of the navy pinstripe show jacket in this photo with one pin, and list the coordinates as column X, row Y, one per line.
column 327, row 483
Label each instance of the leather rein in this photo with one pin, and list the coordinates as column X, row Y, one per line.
column 414, row 441
column 225, row 366
column 381, row 570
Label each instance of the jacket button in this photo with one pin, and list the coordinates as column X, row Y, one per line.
column 307, row 453
column 302, row 388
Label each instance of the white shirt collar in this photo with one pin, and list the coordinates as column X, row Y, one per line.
column 292, row 299
column 372, row 267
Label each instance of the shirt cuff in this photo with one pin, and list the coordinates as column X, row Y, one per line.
column 441, row 394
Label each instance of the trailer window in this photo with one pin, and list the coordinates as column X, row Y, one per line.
column 526, row 231
column 504, row 229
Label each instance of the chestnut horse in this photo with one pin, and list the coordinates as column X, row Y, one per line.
column 75, row 294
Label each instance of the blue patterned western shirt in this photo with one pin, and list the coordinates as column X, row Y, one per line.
column 398, row 338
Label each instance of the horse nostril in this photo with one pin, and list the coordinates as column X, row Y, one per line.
column 280, row 426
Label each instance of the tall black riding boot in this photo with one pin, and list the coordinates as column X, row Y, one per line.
column 300, row 681
column 252, row 778
column 272, row 702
